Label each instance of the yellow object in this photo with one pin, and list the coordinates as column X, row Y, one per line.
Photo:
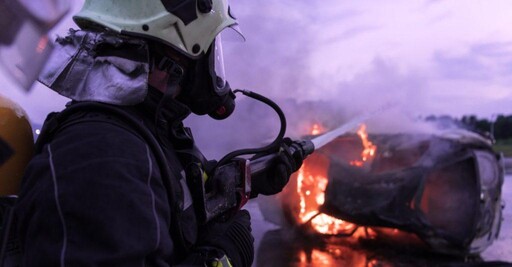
column 16, row 132
column 222, row 262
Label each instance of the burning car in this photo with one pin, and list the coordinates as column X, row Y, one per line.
column 443, row 189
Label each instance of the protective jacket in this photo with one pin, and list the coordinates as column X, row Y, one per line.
column 95, row 192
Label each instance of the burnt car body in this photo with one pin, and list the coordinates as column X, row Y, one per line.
column 445, row 188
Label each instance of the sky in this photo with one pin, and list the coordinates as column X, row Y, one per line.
column 449, row 57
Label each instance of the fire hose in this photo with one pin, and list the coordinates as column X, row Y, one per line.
column 228, row 187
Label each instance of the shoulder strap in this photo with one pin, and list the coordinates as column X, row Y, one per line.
column 10, row 251
column 56, row 121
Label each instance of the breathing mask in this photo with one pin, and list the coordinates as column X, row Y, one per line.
column 190, row 27
column 205, row 89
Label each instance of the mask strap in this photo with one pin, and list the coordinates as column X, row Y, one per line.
column 176, row 74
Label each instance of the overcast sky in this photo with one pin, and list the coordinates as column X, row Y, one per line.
column 434, row 57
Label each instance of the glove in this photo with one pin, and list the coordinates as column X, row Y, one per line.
column 287, row 161
column 232, row 237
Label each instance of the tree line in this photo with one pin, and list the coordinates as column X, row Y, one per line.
column 500, row 127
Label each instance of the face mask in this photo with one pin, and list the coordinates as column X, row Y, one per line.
column 205, row 90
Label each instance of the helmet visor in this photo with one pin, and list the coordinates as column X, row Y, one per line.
column 231, row 33
column 219, row 71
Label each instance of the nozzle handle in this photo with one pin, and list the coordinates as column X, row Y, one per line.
column 260, row 164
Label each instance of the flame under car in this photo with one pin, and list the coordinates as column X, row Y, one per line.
column 443, row 189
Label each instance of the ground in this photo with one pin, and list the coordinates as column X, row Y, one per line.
column 275, row 246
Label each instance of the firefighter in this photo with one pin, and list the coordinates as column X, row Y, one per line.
column 108, row 185
column 24, row 48
column 16, row 149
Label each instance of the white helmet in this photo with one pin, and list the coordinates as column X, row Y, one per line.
column 190, row 26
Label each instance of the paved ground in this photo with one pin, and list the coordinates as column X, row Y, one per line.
column 284, row 247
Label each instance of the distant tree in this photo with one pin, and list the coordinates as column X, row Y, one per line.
column 483, row 125
column 503, row 127
column 473, row 123
column 469, row 120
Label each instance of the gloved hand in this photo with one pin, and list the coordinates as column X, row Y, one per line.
column 287, row 161
column 233, row 237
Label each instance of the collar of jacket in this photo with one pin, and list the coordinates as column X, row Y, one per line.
column 168, row 121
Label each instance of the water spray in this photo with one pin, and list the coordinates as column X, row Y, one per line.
column 326, row 138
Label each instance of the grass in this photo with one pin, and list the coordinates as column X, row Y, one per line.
column 504, row 146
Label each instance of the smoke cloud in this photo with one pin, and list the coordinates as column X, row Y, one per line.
column 327, row 62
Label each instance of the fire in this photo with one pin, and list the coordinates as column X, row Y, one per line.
column 317, row 129
column 369, row 148
column 311, row 184
column 311, row 190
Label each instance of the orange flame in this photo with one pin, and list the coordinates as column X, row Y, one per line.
column 368, row 147
column 311, row 190
column 311, row 184
column 317, row 129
